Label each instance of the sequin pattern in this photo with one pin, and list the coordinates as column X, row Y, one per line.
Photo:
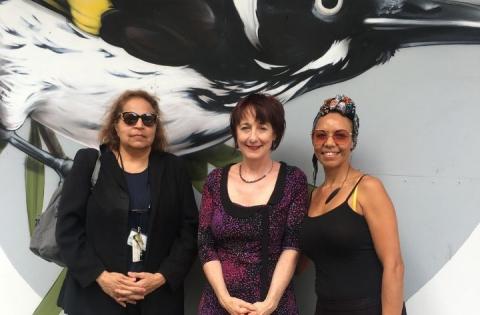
column 234, row 238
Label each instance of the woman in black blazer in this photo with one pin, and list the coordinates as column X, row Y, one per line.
column 129, row 242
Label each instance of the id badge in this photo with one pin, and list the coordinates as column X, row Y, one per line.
column 138, row 242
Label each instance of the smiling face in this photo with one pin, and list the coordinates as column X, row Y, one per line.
column 137, row 136
column 332, row 140
column 254, row 138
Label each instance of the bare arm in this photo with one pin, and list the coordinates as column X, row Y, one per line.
column 207, row 253
column 380, row 215
column 281, row 278
column 287, row 261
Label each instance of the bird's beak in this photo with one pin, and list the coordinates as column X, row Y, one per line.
column 427, row 22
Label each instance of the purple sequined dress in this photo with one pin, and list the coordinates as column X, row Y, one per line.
column 233, row 235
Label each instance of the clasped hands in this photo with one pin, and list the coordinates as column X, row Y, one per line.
column 129, row 288
column 235, row 306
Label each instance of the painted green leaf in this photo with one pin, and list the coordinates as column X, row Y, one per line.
column 34, row 180
column 3, row 144
column 197, row 170
column 48, row 306
column 218, row 156
column 51, row 141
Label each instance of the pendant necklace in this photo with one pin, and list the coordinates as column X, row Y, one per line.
column 253, row 180
column 335, row 191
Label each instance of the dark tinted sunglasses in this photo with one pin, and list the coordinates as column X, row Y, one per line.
column 131, row 118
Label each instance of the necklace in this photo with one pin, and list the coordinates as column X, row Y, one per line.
column 253, row 180
column 335, row 191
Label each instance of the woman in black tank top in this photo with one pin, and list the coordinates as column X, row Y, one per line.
column 350, row 232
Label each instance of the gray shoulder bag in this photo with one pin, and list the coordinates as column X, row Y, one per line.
column 42, row 241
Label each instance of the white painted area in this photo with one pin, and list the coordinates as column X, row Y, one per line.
column 247, row 10
column 418, row 132
column 412, row 22
column 455, row 289
column 25, row 278
column 85, row 79
column 336, row 53
column 17, row 297
column 322, row 10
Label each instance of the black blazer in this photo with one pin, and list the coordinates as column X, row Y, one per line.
column 92, row 231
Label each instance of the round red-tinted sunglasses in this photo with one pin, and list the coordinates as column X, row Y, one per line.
column 340, row 137
column 131, row 118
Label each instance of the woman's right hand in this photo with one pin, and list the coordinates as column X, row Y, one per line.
column 121, row 288
column 235, row 306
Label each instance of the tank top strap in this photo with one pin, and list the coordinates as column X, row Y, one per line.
column 355, row 187
column 310, row 194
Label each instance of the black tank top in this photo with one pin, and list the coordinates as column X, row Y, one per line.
column 341, row 247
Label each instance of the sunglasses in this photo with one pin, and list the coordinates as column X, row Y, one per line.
column 131, row 118
column 340, row 137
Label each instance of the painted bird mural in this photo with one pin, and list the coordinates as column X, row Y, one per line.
column 62, row 61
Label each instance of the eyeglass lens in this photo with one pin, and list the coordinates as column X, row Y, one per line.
column 131, row 118
column 339, row 136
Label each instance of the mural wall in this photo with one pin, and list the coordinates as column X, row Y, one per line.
column 61, row 62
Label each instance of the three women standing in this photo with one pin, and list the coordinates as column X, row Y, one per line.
column 249, row 219
column 129, row 241
column 350, row 232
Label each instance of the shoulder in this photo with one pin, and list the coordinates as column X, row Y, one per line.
column 372, row 195
column 83, row 164
column 215, row 175
column 168, row 159
column 371, row 185
column 212, row 183
column 86, row 153
column 85, row 156
column 294, row 173
column 165, row 156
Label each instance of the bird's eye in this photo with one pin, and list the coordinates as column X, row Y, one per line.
column 328, row 7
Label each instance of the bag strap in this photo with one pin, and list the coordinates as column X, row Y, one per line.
column 96, row 170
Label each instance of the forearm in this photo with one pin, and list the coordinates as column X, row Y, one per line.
column 214, row 275
column 282, row 275
column 392, row 289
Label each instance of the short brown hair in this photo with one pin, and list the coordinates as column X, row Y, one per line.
column 267, row 109
column 108, row 134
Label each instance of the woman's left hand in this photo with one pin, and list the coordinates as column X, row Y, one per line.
column 149, row 281
column 263, row 308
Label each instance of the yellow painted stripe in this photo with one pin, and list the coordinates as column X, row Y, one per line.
column 86, row 14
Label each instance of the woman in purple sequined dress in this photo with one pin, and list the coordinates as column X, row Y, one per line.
column 249, row 219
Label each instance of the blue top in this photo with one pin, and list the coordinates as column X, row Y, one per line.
column 139, row 209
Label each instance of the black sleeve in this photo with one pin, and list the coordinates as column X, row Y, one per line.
column 77, row 253
column 184, row 249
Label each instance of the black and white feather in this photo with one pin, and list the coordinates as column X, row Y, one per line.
column 200, row 57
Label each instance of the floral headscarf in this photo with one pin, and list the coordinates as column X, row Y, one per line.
column 345, row 106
